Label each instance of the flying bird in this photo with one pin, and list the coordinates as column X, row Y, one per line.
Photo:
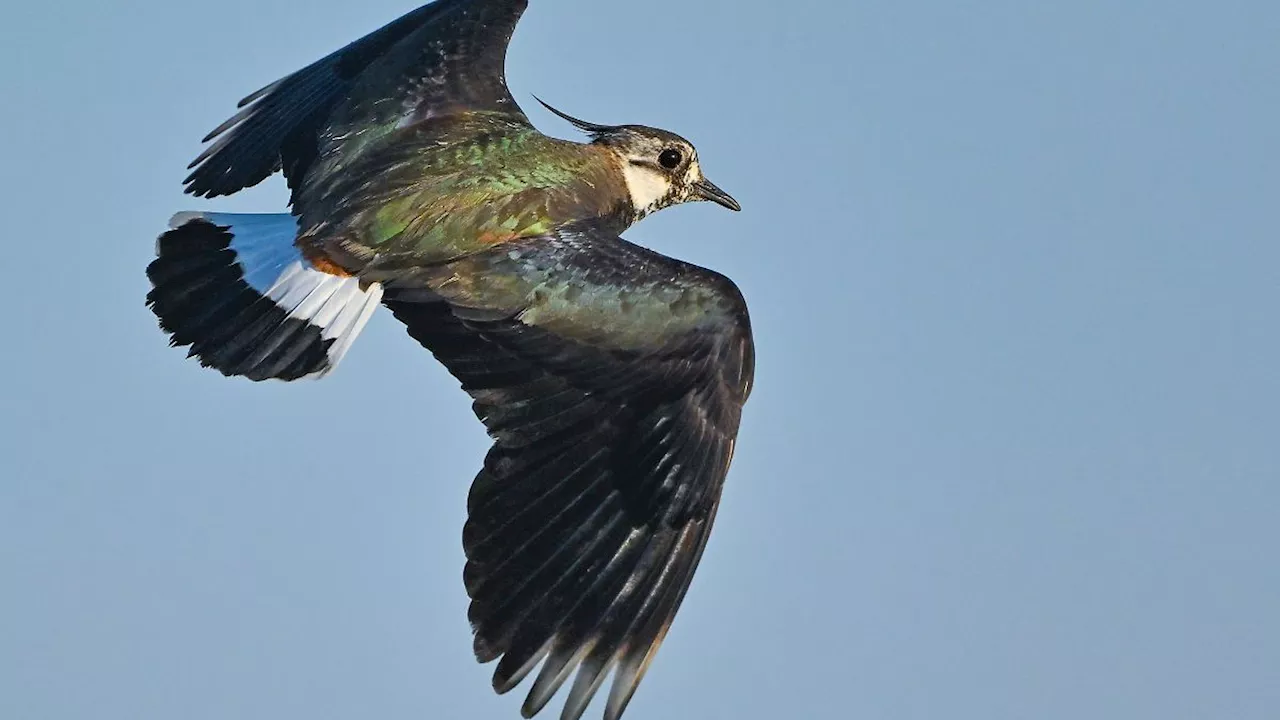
column 611, row 378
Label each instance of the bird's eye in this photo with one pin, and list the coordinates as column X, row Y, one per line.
column 670, row 158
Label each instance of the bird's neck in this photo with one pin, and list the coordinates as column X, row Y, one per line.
column 608, row 199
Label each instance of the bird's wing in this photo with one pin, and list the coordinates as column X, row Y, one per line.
column 438, row 60
column 611, row 379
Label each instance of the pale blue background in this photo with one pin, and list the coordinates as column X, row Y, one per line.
column 1013, row 451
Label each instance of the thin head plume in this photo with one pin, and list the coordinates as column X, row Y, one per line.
column 586, row 127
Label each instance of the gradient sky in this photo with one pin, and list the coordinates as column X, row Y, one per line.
column 1013, row 450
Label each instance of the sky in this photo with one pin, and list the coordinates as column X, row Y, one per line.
column 1012, row 450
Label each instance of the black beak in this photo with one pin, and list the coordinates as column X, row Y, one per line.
column 707, row 190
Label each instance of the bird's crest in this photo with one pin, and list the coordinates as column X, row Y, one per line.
column 593, row 129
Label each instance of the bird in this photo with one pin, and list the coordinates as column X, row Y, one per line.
column 610, row 378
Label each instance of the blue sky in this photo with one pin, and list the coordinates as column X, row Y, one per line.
column 1012, row 452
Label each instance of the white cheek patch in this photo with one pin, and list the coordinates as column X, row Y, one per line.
column 646, row 186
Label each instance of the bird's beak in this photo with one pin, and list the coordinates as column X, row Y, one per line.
column 706, row 190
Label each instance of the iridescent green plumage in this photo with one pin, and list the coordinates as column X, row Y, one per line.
column 427, row 194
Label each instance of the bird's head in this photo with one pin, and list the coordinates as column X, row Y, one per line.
column 661, row 168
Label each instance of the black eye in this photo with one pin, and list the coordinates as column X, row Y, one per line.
column 670, row 158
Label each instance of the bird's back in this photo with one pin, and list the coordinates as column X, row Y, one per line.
column 434, row 192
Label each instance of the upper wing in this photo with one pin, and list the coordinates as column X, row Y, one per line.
column 441, row 58
column 612, row 381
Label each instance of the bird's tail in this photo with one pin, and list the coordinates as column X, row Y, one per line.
column 237, row 290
